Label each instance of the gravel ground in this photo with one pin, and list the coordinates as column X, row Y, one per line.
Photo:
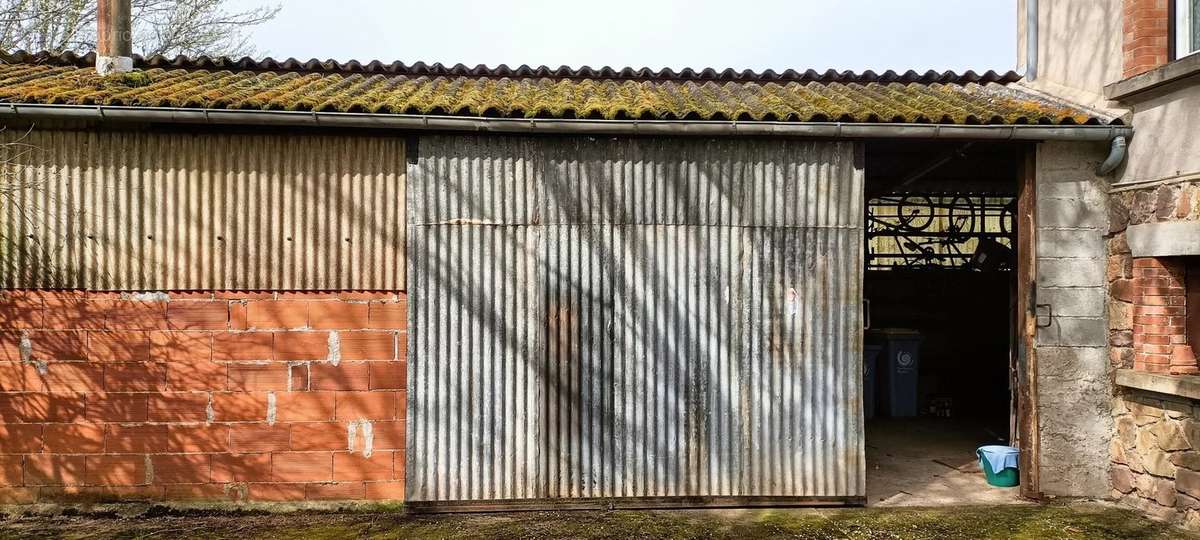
column 1091, row 521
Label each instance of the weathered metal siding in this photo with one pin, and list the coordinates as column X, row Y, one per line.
column 634, row 318
column 177, row 211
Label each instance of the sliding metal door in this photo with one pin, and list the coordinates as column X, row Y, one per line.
column 634, row 321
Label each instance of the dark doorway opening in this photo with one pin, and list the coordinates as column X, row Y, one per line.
column 940, row 282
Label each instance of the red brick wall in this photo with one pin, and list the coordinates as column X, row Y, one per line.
column 1146, row 27
column 1159, row 317
column 209, row 396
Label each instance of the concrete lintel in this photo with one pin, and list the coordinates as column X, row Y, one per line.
column 1165, row 239
column 1187, row 386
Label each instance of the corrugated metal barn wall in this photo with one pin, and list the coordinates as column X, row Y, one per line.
column 634, row 318
column 131, row 210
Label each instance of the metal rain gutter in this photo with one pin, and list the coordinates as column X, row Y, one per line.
column 830, row 130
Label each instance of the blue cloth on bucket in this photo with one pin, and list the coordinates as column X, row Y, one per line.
column 999, row 457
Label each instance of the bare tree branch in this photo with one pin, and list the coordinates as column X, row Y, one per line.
column 21, row 211
column 13, row 151
column 167, row 27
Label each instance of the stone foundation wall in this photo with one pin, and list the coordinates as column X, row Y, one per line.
column 1156, row 448
column 1156, row 455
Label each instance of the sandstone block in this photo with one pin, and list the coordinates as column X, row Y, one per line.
column 1187, row 460
column 1158, row 463
column 1188, row 482
column 1122, row 479
column 1170, row 436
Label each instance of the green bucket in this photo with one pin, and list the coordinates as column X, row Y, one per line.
column 1008, row 477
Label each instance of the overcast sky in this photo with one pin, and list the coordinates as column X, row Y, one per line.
column 756, row 34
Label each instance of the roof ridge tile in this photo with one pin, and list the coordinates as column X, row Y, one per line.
column 71, row 58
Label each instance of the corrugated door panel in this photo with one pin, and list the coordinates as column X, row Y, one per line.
column 177, row 211
column 481, row 338
column 697, row 306
column 532, row 181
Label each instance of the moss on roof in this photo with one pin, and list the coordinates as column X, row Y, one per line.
column 540, row 97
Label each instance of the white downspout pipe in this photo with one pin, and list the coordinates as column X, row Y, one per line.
column 1031, row 39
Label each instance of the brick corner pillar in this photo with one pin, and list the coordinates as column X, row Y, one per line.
column 1160, row 341
column 1146, row 28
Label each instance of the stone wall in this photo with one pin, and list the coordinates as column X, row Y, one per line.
column 1156, row 450
column 1172, row 202
column 1156, row 455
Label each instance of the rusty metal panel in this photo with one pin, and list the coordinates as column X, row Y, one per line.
column 125, row 210
column 634, row 318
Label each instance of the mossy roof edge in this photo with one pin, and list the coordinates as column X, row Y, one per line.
column 542, row 97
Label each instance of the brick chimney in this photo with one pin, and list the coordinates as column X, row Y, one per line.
column 114, row 37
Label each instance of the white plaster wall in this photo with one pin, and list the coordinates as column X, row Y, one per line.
column 1079, row 48
column 1166, row 142
column 1079, row 52
column 1074, row 385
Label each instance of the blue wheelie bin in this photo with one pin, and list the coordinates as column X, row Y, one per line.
column 898, row 369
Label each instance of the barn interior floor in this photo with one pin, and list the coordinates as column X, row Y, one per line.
column 929, row 461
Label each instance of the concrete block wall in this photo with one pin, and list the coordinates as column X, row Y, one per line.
column 1074, row 375
column 201, row 396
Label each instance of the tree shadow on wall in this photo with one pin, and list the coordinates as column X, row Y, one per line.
column 661, row 355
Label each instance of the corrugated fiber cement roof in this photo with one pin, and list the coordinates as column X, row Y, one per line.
column 542, row 92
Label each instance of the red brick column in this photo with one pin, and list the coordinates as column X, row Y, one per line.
column 1159, row 317
column 1146, row 28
